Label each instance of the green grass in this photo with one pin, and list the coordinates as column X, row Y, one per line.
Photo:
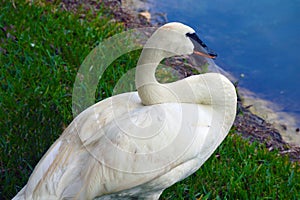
column 40, row 53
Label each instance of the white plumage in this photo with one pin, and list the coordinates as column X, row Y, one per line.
column 134, row 145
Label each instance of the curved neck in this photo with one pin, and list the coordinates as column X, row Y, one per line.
column 149, row 89
column 146, row 67
column 208, row 89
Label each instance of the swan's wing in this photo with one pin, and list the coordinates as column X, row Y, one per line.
column 63, row 163
column 141, row 146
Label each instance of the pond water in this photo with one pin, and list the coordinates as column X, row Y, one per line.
column 256, row 41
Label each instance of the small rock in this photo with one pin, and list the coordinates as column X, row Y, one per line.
column 284, row 127
column 146, row 15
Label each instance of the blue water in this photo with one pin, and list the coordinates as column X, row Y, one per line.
column 260, row 39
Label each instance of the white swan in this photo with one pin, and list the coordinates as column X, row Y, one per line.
column 134, row 145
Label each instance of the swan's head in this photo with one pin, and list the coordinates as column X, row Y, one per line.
column 178, row 39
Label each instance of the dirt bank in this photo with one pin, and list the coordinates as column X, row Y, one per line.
column 246, row 124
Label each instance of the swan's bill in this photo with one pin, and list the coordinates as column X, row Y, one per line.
column 205, row 54
column 200, row 48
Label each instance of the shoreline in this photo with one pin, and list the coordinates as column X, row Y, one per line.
column 284, row 122
column 247, row 124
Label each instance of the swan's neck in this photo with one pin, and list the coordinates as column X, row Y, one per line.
column 149, row 89
column 208, row 89
column 146, row 67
